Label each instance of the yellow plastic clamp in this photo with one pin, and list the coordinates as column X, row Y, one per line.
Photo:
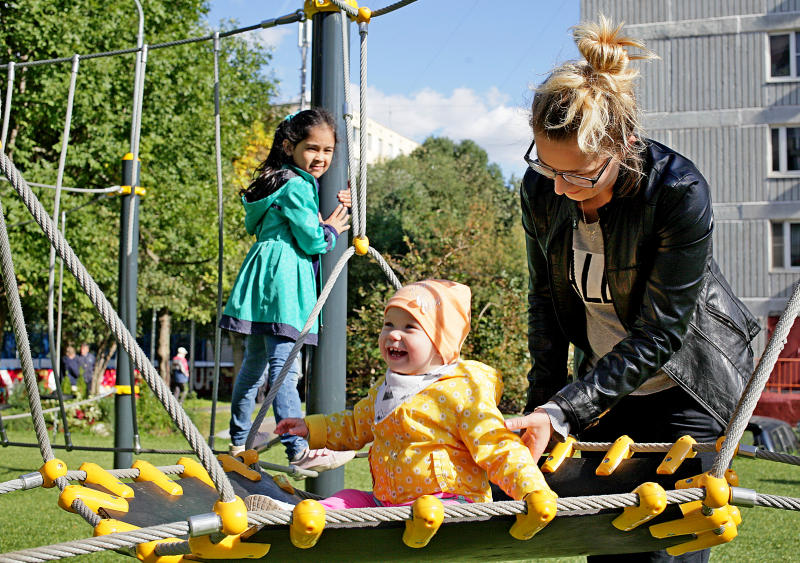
column 312, row 7
column 542, row 509
column 51, row 471
column 281, row 480
column 308, row 522
column 126, row 190
column 559, row 453
column 732, row 477
column 652, row 502
column 146, row 552
column 682, row 449
column 230, row 463
column 723, row 534
column 192, row 468
column 697, row 519
column 230, row 547
column 427, row 514
column 111, row 526
column 718, row 492
column 96, row 475
column 364, row 14
column 361, row 244
column 233, row 515
column 150, row 473
column 248, row 457
column 619, row 450
column 125, row 389
column 92, row 498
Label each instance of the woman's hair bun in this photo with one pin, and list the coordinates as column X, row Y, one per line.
column 604, row 47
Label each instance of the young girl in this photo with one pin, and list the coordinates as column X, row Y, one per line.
column 433, row 419
column 276, row 287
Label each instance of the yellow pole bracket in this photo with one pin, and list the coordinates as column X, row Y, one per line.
column 559, row 453
column 233, row 515
column 682, row 449
column 96, row 475
column 364, row 15
column 718, row 492
column 361, row 244
column 230, row 463
column 230, row 547
column 152, row 474
column 92, row 498
column 312, row 7
column 652, row 502
column 192, row 468
column 619, row 450
column 308, row 522
column 427, row 514
column 126, row 190
column 125, row 389
column 542, row 508
column 51, row 471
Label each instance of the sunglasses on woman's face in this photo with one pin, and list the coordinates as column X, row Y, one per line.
column 551, row 173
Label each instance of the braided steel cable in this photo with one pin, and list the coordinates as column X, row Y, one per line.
column 273, row 391
column 121, row 333
column 779, row 457
column 7, row 110
column 352, row 12
column 391, row 8
column 775, row 501
column 752, row 392
column 362, row 116
column 355, row 209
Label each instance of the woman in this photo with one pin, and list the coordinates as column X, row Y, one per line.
column 619, row 252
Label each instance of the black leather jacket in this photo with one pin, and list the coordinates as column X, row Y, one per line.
column 679, row 312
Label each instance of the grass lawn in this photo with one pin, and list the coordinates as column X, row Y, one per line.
column 32, row 518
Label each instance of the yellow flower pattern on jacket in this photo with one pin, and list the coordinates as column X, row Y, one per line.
column 448, row 438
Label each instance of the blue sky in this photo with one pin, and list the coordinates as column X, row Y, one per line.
column 459, row 68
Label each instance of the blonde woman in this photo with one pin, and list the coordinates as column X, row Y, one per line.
column 619, row 231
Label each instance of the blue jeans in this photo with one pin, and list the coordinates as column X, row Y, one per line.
column 265, row 355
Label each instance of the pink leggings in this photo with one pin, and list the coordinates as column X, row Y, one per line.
column 353, row 498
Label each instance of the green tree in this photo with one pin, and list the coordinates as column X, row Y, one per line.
column 445, row 212
column 178, row 235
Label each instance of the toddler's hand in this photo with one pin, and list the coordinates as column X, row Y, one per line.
column 345, row 198
column 293, row 426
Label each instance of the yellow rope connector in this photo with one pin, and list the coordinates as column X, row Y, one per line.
column 230, row 463
column 427, row 514
column 312, row 7
column 152, row 474
column 652, row 502
column 308, row 522
column 361, row 244
column 558, row 454
column 619, row 450
column 51, row 471
column 283, row 483
column 92, row 498
column 233, row 515
column 96, row 475
column 230, row 547
column 146, row 552
column 126, row 190
column 718, row 492
column 712, row 526
column 364, row 14
column 542, row 508
column 192, row 468
column 683, row 448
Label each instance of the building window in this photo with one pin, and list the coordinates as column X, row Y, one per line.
column 785, row 149
column 783, row 55
column 785, row 245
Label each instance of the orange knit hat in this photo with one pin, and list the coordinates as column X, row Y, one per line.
column 442, row 308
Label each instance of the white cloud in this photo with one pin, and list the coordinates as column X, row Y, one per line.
column 274, row 36
column 487, row 118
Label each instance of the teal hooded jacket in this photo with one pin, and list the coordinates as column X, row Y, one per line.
column 276, row 289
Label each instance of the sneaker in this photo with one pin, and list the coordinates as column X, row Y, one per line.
column 259, row 444
column 235, row 450
column 263, row 502
column 322, row 460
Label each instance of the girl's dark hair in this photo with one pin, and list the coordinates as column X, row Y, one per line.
column 269, row 176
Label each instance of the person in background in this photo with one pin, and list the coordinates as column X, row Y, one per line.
column 71, row 367
column 86, row 361
column 180, row 374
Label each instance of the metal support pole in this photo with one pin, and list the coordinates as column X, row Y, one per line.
column 128, row 278
column 326, row 385
column 192, row 344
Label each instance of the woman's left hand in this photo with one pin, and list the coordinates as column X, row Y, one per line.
column 345, row 198
column 538, row 431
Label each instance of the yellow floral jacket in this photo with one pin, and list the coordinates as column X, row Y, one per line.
column 446, row 438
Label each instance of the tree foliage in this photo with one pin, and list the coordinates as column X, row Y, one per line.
column 178, row 234
column 444, row 212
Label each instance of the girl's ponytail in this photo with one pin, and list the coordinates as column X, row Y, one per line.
column 270, row 175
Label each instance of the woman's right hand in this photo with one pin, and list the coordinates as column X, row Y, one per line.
column 537, row 431
column 339, row 219
column 293, row 426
